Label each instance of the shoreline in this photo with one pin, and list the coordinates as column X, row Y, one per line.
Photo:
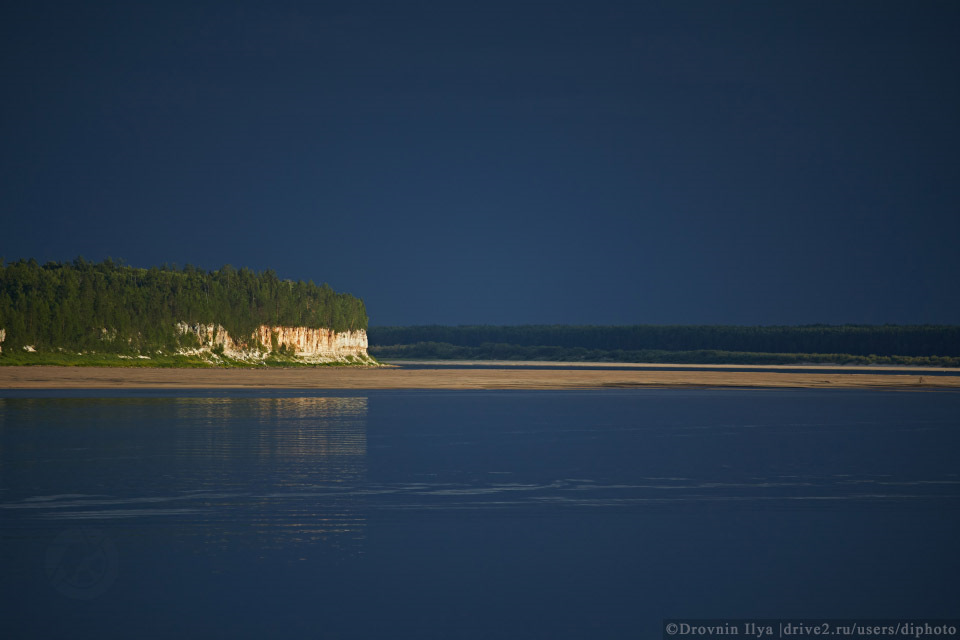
column 659, row 365
column 50, row 377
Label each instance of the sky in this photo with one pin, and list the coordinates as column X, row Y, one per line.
column 596, row 162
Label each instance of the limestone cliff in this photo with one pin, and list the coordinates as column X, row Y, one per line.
column 309, row 345
column 315, row 343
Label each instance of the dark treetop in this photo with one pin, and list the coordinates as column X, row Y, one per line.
column 853, row 344
column 115, row 308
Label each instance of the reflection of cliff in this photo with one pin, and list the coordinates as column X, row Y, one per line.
column 325, row 435
column 291, row 468
column 311, row 345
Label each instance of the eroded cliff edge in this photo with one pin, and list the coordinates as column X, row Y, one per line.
column 303, row 343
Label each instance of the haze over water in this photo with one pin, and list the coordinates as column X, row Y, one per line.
column 475, row 514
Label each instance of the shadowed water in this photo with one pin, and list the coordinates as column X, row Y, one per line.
column 472, row 514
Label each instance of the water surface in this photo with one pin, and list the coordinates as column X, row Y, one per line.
column 441, row 514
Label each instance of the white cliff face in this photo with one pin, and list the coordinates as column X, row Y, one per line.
column 315, row 343
column 310, row 345
column 210, row 337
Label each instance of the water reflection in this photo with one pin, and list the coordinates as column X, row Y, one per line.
column 279, row 471
column 285, row 458
column 562, row 515
column 218, row 468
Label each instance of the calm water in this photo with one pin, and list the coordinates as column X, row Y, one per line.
column 406, row 514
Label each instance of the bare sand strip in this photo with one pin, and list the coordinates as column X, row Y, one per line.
column 39, row 377
column 661, row 365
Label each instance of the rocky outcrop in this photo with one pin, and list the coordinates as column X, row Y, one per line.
column 315, row 343
column 307, row 344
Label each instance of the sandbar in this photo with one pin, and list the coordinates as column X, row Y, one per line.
column 50, row 377
column 662, row 365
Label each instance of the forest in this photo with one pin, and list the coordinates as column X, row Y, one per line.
column 113, row 308
column 109, row 307
column 705, row 344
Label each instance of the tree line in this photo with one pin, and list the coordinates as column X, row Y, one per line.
column 111, row 307
column 493, row 351
column 857, row 340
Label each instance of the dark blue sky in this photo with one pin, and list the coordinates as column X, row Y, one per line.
column 502, row 162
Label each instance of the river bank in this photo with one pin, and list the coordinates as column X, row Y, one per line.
column 401, row 378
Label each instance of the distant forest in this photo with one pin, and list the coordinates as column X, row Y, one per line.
column 706, row 344
column 110, row 307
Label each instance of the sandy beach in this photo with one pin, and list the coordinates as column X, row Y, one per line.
column 38, row 377
column 661, row 365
